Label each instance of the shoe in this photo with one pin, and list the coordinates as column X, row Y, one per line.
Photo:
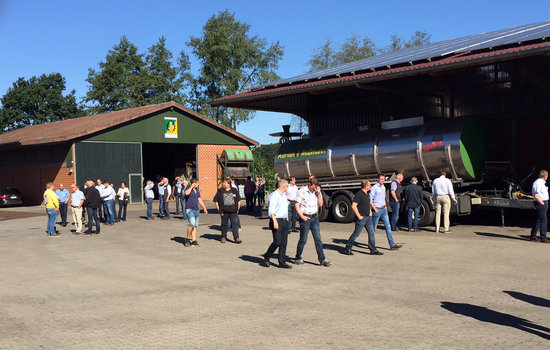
column 223, row 240
column 87, row 234
column 545, row 241
column 376, row 253
column 295, row 230
column 396, row 246
column 187, row 242
column 64, row 225
column 395, row 229
column 55, row 235
column 447, row 231
column 346, row 251
column 117, row 220
column 98, row 232
column 298, row 262
column 534, row 239
column 326, row 263
column 195, row 244
column 267, row 263
column 285, row 266
column 238, row 241
column 77, row 233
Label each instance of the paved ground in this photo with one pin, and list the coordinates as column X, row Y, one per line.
column 137, row 287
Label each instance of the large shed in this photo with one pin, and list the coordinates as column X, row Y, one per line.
column 130, row 145
column 501, row 78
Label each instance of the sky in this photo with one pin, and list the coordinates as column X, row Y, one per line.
column 69, row 37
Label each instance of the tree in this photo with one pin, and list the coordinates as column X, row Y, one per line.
column 420, row 37
column 232, row 61
column 166, row 82
column 37, row 100
column 323, row 57
column 121, row 82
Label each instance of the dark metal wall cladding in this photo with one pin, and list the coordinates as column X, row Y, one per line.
column 107, row 161
column 470, row 43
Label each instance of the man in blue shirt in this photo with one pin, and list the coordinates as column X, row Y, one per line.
column 63, row 196
column 77, row 200
column 279, row 224
column 378, row 197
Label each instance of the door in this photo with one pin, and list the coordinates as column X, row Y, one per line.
column 135, row 182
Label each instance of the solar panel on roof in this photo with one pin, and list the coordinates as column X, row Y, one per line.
column 443, row 48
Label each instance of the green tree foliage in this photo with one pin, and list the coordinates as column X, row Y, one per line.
column 356, row 47
column 121, row 81
column 37, row 100
column 166, row 81
column 264, row 159
column 232, row 61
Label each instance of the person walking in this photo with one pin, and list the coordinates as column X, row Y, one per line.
column 396, row 194
column 238, row 219
column 249, row 190
column 123, row 196
column 378, row 196
column 52, row 208
column 540, row 196
column 92, row 201
column 108, row 196
column 308, row 201
column 362, row 207
column 192, row 207
column 63, row 196
column 413, row 202
column 279, row 224
column 443, row 193
column 77, row 201
column 291, row 193
column 228, row 203
column 149, row 197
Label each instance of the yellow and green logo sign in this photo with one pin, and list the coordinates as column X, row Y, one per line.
column 170, row 128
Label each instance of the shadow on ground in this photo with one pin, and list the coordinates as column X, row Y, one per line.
column 484, row 314
column 531, row 299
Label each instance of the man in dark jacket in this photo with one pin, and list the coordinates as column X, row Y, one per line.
column 413, row 202
column 228, row 203
column 92, row 201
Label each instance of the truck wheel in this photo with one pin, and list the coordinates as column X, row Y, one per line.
column 341, row 209
column 426, row 216
column 323, row 213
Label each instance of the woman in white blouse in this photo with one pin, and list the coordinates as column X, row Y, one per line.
column 123, row 196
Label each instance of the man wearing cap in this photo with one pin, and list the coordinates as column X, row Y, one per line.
column 540, row 196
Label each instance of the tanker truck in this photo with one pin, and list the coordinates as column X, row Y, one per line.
column 414, row 147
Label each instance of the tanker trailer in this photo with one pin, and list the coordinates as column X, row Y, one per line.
column 340, row 161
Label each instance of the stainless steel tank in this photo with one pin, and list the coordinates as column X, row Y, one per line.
column 454, row 145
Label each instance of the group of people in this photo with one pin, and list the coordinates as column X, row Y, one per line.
column 254, row 193
column 98, row 200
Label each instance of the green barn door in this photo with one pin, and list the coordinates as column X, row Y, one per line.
column 135, row 182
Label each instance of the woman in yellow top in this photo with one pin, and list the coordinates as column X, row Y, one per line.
column 52, row 208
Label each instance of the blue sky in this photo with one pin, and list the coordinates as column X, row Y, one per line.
column 71, row 36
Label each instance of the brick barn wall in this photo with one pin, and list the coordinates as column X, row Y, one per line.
column 208, row 169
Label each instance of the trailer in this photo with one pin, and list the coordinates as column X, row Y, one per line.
column 414, row 147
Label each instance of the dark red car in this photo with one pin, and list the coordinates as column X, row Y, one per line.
column 10, row 196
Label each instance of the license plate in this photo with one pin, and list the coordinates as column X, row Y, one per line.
column 13, row 197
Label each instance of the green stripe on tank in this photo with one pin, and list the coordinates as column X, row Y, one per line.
column 473, row 147
column 466, row 161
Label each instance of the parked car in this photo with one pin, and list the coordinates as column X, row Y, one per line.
column 10, row 196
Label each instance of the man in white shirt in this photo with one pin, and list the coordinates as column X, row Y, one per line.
column 100, row 211
column 443, row 193
column 108, row 196
column 308, row 201
column 77, row 200
column 165, row 198
column 291, row 194
column 278, row 223
column 540, row 196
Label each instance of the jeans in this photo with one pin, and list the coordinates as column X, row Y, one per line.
column 249, row 202
column 237, row 222
column 149, row 202
column 193, row 217
column 52, row 217
column 180, row 199
column 92, row 215
column 394, row 214
column 366, row 222
column 111, row 215
column 383, row 214
column 225, row 219
column 410, row 212
column 280, row 239
column 541, row 222
column 292, row 215
column 122, row 206
column 63, row 213
column 164, row 210
column 305, row 226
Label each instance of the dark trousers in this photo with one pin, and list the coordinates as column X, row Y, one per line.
column 261, row 199
column 234, row 228
column 280, row 238
column 100, row 212
column 63, row 213
column 122, row 206
column 92, row 215
column 541, row 222
column 292, row 215
column 249, row 201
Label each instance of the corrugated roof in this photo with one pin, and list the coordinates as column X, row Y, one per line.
column 455, row 61
column 78, row 128
column 429, row 52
